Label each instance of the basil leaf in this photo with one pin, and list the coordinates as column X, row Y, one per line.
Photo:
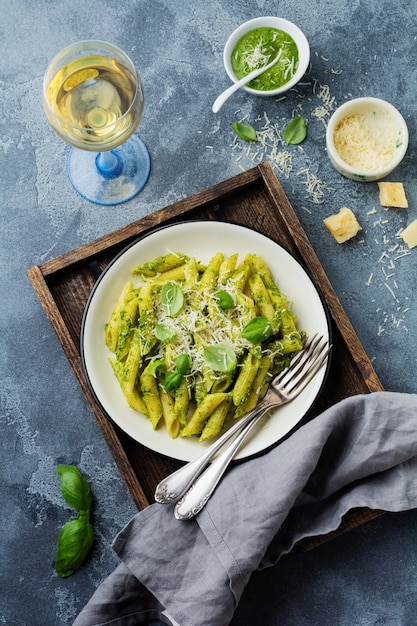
column 245, row 131
column 225, row 299
column 220, row 357
column 74, row 487
column 295, row 132
column 172, row 298
column 182, row 363
column 257, row 330
column 172, row 381
column 74, row 543
column 163, row 332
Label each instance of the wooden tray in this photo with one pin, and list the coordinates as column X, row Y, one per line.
column 254, row 199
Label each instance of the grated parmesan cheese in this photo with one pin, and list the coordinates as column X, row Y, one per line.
column 315, row 187
column 327, row 102
column 366, row 141
column 385, row 276
column 256, row 57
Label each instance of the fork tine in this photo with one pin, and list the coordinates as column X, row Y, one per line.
column 297, row 362
column 311, row 364
column 311, row 372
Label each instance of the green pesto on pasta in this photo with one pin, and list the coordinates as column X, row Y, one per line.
column 227, row 320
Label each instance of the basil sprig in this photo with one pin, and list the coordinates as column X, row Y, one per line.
column 220, row 357
column 245, row 131
column 182, row 364
column 224, row 299
column 295, row 131
column 74, row 487
column 257, row 329
column 163, row 332
column 173, row 380
column 172, row 298
column 77, row 535
column 74, row 543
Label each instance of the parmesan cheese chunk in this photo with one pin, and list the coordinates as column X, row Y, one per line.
column 409, row 234
column 392, row 195
column 342, row 225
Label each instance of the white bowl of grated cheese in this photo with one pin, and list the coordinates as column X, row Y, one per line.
column 256, row 43
column 366, row 139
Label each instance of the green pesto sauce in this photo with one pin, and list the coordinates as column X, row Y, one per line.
column 258, row 48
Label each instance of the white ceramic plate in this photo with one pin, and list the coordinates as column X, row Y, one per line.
column 201, row 240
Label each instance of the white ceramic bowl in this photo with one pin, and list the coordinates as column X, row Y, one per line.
column 380, row 128
column 271, row 22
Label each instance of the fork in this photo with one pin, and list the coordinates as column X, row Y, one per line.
column 283, row 388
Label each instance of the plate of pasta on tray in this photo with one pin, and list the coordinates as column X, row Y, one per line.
column 185, row 328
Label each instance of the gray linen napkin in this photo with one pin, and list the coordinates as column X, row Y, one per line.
column 362, row 452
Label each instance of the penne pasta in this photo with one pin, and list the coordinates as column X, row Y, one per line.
column 240, row 276
column 258, row 387
column 209, row 277
column 160, row 264
column 202, row 414
column 245, row 379
column 227, row 268
column 149, row 388
column 146, row 319
column 261, row 297
column 133, row 361
column 194, row 344
column 176, row 273
column 216, row 420
column 168, row 411
column 133, row 397
column 128, row 316
column 182, row 402
column 111, row 330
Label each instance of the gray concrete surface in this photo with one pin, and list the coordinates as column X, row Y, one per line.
column 368, row 577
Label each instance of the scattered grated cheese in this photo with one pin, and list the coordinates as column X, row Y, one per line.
column 268, row 147
column 387, row 279
column 368, row 282
column 327, row 102
column 403, row 253
column 315, row 187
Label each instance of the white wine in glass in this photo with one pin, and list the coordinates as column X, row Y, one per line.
column 93, row 99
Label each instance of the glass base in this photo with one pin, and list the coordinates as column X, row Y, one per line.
column 110, row 189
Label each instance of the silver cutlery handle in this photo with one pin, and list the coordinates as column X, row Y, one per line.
column 173, row 487
column 196, row 498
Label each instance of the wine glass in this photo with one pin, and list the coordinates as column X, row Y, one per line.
column 93, row 99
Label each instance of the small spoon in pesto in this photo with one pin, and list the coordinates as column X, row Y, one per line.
column 219, row 102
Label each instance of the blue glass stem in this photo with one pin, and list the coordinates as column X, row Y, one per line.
column 109, row 164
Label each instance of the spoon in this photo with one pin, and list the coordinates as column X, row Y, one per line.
column 219, row 102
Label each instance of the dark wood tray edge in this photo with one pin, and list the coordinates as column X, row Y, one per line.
column 75, row 257
column 157, row 218
column 72, row 354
